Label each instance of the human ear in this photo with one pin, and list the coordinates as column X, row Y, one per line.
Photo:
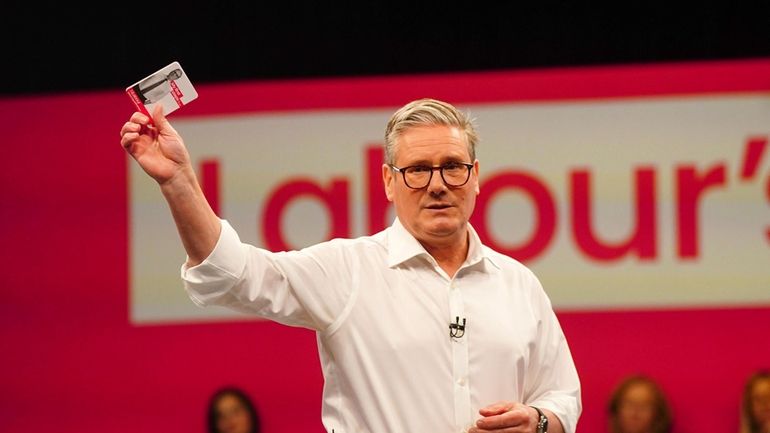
column 387, row 181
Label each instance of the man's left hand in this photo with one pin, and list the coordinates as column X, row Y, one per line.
column 506, row 417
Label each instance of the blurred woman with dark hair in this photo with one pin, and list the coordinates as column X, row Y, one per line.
column 639, row 406
column 755, row 407
column 231, row 411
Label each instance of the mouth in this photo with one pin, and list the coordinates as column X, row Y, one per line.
column 438, row 206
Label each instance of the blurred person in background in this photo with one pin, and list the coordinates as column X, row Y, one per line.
column 638, row 406
column 232, row 411
column 755, row 407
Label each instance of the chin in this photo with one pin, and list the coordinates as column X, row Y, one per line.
column 442, row 229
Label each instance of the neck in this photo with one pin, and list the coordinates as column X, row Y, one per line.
column 449, row 256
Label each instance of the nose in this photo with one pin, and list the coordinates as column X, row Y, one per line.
column 436, row 185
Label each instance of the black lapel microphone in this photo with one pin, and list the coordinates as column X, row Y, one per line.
column 456, row 330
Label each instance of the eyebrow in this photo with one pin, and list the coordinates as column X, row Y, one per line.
column 425, row 162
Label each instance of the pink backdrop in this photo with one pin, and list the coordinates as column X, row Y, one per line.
column 71, row 361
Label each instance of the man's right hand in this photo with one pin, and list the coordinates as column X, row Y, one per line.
column 156, row 146
column 161, row 153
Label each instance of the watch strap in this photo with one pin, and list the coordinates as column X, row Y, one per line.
column 542, row 422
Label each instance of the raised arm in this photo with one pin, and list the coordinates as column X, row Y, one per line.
column 161, row 153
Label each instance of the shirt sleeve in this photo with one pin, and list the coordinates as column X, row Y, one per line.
column 307, row 288
column 552, row 381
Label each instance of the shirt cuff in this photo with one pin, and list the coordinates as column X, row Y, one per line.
column 219, row 271
column 567, row 421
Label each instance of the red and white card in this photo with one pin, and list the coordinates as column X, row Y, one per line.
column 169, row 86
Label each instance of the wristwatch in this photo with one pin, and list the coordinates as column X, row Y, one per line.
column 542, row 423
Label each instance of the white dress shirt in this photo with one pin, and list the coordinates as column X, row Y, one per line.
column 381, row 307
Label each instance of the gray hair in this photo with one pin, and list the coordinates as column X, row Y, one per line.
column 428, row 112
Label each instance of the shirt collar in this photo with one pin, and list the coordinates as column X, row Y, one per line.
column 402, row 246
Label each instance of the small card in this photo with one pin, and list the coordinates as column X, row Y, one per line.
column 169, row 87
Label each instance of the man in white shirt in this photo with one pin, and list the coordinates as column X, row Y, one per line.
column 420, row 327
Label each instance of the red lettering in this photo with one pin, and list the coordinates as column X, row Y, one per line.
column 545, row 216
column 690, row 187
column 641, row 242
column 377, row 202
column 209, row 171
column 755, row 148
column 643, row 239
column 334, row 198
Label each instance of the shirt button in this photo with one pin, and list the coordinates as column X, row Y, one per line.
column 461, row 381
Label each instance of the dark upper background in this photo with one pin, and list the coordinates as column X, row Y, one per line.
column 69, row 48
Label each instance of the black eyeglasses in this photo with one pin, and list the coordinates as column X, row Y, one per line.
column 419, row 176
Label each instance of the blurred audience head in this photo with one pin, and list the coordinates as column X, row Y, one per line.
column 232, row 411
column 638, row 406
column 755, row 407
